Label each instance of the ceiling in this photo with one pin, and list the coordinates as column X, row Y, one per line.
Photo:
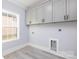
column 24, row 3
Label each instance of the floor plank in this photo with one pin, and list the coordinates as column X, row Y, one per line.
column 31, row 53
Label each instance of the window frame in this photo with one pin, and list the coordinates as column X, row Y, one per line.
column 18, row 23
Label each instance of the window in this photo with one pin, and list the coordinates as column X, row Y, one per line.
column 10, row 26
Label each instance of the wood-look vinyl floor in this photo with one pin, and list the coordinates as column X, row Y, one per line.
column 31, row 53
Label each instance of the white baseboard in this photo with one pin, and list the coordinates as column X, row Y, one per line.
column 13, row 49
column 60, row 53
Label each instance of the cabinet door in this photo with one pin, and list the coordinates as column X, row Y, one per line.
column 59, row 10
column 39, row 14
column 33, row 15
column 47, row 12
column 28, row 17
column 72, row 9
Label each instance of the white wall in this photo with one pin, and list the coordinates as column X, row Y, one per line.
column 67, row 37
column 23, row 39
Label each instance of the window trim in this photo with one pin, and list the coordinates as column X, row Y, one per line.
column 18, row 23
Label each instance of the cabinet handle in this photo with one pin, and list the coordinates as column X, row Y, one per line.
column 51, row 44
column 66, row 17
column 43, row 20
column 30, row 22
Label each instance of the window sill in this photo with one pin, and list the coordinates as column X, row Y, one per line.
column 5, row 41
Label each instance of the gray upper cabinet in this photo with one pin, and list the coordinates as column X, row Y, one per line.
column 28, row 21
column 59, row 10
column 33, row 16
column 52, row 11
column 72, row 9
column 47, row 12
column 39, row 14
column 44, row 12
column 64, row 10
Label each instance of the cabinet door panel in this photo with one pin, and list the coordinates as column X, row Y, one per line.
column 72, row 9
column 28, row 17
column 39, row 14
column 47, row 12
column 59, row 10
column 33, row 16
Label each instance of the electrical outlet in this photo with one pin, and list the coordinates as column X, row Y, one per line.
column 32, row 32
column 59, row 29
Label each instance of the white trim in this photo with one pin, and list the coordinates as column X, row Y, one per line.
column 67, row 56
column 13, row 49
column 18, row 26
column 9, row 12
column 4, row 41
